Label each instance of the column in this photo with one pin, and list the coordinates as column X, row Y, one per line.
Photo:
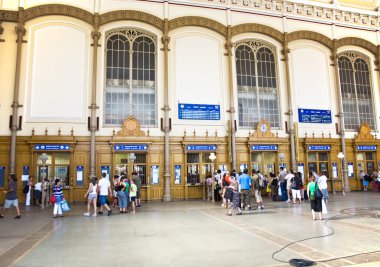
column 166, row 109
column 341, row 118
column 285, row 53
column 229, row 47
column 93, row 107
column 20, row 30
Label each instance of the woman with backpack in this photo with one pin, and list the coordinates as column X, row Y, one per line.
column 92, row 196
column 316, row 203
column 296, row 188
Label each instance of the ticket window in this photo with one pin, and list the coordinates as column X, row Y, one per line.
column 124, row 165
column 366, row 162
column 318, row 162
column 57, row 165
column 198, row 166
column 265, row 162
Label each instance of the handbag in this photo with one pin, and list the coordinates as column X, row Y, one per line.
column 65, row 206
column 269, row 190
column 318, row 193
column 52, row 199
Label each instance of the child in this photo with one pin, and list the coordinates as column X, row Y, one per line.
column 92, row 196
column 132, row 194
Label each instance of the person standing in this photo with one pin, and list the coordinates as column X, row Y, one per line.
column 258, row 185
column 58, row 194
column 288, row 182
column 274, row 186
column 37, row 192
column 235, row 203
column 92, row 196
column 45, row 193
column 246, row 193
column 296, row 188
column 137, row 180
column 132, row 194
column 322, row 184
column 104, row 191
column 122, row 198
column 282, row 182
column 11, row 196
column 316, row 204
column 28, row 194
column 209, row 187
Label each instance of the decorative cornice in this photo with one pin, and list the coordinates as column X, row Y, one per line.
column 63, row 10
column 198, row 21
column 131, row 15
column 313, row 36
column 8, row 16
column 357, row 42
column 258, row 28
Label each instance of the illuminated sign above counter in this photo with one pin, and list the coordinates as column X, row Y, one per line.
column 130, row 147
column 52, row 147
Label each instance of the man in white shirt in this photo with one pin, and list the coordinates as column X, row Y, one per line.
column 322, row 184
column 104, row 190
column 288, row 179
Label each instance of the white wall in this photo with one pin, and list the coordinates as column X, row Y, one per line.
column 57, row 73
column 311, row 84
column 197, row 76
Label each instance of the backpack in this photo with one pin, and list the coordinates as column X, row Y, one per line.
column 261, row 183
column 294, row 183
column 26, row 189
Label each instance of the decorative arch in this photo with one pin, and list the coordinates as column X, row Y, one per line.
column 198, row 21
column 63, row 10
column 131, row 15
column 313, row 36
column 357, row 42
column 258, row 28
column 8, row 16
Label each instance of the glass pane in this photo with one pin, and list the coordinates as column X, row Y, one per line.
column 121, row 158
column 62, row 158
column 312, row 157
column 369, row 156
column 62, row 173
column 312, row 167
column 141, row 172
column 360, row 156
column 323, row 156
column 206, row 170
column 323, row 167
column 205, row 158
column 48, row 161
column 192, row 158
column 269, row 157
column 192, row 173
column 140, row 158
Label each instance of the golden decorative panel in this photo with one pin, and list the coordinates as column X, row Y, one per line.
column 258, row 28
column 155, row 158
column 105, row 158
column 263, row 130
column 131, row 127
column 309, row 35
column 131, row 15
column 364, row 133
column 198, row 21
column 178, row 158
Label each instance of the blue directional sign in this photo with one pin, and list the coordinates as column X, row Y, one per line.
column 264, row 147
column 319, row 147
column 198, row 112
column 201, row 147
column 366, row 148
column 130, row 147
column 314, row 116
column 52, row 147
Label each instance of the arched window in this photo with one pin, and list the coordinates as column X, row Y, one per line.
column 356, row 91
column 130, row 78
column 256, row 84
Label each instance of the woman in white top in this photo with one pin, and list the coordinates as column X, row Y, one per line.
column 92, row 196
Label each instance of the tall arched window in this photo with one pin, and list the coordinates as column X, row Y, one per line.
column 356, row 90
column 256, row 84
column 130, row 77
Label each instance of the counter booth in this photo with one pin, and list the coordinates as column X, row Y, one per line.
column 264, row 158
column 366, row 161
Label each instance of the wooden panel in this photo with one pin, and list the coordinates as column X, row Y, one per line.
column 105, row 159
column 243, row 157
column 155, row 158
column 178, row 158
column 195, row 192
column 80, row 158
column 79, row 195
column 156, row 193
column 177, row 192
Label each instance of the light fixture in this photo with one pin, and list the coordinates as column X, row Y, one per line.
column 44, row 158
column 340, row 155
column 132, row 157
column 281, row 156
column 212, row 157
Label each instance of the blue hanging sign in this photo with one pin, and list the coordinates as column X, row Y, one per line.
column 130, row 147
column 366, row 148
column 264, row 147
column 314, row 116
column 201, row 147
column 2, row 176
column 52, row 147
column 106, row 170
column 198, row 112
column 319, row 147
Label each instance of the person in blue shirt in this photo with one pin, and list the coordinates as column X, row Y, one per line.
column 245, row 182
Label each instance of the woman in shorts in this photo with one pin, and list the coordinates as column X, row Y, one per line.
column 132, row 194
column 92, row 195
column 11, row 196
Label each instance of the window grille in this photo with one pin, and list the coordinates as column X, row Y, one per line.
column 130, row 78
column 256, row 84
column 356, row 91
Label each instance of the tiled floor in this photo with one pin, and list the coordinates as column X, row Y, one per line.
column 196, row 233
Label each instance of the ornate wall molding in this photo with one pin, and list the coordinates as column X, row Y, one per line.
column 131, row 15
column 62, row 10
column 198, row 21
column 357, row 42
column 8, row 16
column 258, row 28
column 364, row 133
column 313, row 36
column 131, row 127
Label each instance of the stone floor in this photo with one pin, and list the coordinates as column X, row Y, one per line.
column 196, row 233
